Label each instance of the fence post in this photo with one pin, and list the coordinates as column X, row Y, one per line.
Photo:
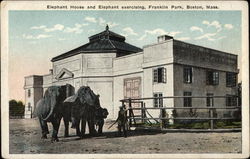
column 31, row 112
column 212, row 120
column 142, row 112
column 161, row 119
column 130, row 111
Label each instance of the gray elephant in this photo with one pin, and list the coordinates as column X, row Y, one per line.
column 50, row 109
column 83, row 106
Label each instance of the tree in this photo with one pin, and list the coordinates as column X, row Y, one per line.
column 16, row 108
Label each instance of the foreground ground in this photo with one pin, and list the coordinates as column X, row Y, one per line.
column 25, row 138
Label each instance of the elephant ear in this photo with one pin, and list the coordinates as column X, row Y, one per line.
column 90, row 97
column 47, row 94
column 70, row 99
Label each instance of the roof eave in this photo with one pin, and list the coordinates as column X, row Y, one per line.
column 60, row 57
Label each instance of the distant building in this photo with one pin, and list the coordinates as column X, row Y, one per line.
column 116, row 70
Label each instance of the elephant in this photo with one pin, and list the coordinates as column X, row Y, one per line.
column 100, row 115
column 50, row 109
column 83, row 106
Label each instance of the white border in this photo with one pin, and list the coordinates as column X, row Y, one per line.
column 31, row 5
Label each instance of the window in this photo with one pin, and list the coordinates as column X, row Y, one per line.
column 212, row 77
column 210, row 100
column 159, row 75
column 230, row 79
column 187, row 100
column 29, row 93
column 29, row 107
column 187, row 74
column 158, row 102
column 231, row 100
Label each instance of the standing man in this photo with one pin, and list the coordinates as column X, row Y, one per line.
column 122, row 121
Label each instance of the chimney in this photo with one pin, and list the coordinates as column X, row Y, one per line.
column 164, row 38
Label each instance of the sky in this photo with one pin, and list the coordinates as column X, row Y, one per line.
column 35, row 37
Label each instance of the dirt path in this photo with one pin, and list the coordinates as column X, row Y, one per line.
column 25, row 138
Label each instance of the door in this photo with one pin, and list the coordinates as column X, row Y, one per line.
column 132, row 89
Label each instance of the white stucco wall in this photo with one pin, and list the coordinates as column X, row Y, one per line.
column 126, row 67
column 198, row 87
column 96, row 71
column 34, row 84
column 73, row 64
column 165, row 88
column 188, row 54
column 158, row 52
column 47, row 81
column 105, row 74
column 158, row 55
column 119, row 89
column 98, row 64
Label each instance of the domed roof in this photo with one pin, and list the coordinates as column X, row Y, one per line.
column 103, row 42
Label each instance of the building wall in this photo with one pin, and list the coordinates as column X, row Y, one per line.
column 188, row 54
column 73, row 64
column 158, row 55
column 126, row 67
column 118, row 90
column 201, row 59
column 28, row 100
column 158, row 52
column 98, row 64
column 166, row 89
column 103, row 87
column 105, row 74
column 47, row 81
column 34, row 85
column 198, row 87
column 94, row 70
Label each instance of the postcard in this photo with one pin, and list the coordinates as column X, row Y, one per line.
column 124, row 79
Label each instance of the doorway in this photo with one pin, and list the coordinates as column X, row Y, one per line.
column 132, row 89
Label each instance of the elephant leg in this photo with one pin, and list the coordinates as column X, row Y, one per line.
column 44, row 128
column 83, row 127
column 91, row 127
column 66, row 125
column 100, row 126
column 77, row 123
column 56, row 125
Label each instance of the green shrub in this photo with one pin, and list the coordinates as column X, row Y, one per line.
column 16, row 108
column 220, row 124
column 197, row 126
column 206, row 125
